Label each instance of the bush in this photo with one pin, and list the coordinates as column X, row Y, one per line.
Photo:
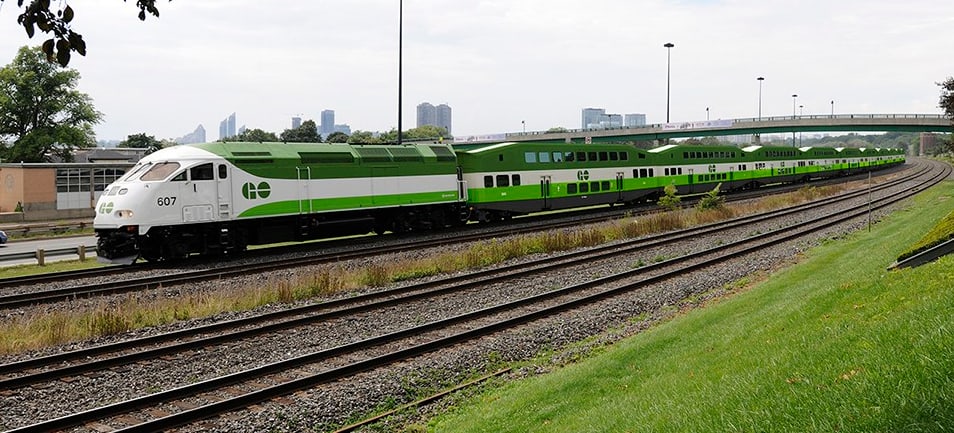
column 711, row 200
column 670, row 200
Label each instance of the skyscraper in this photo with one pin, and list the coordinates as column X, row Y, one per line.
column 635, row 119
column 441, row 115
column 227, row 127
column 591, row 118
column 327, row 123
column 296, row 122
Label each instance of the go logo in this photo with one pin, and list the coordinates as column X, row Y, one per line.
column 106, row 208
column 253, row 192
column 583, row 175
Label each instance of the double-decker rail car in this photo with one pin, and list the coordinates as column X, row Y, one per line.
column 506, row 179
column 220, row 197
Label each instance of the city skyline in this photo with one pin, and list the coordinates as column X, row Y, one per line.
column 504, row 65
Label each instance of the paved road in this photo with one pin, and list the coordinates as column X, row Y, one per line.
column 46, row 244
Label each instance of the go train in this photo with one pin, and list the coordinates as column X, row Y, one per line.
column 218, row 198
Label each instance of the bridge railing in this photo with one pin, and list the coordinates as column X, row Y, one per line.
column 659, row 126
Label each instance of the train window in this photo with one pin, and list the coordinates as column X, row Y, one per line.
column 651, row 172
column 584, row 188
column 591, row 156
column 571, row 188
column 569, row 156
column 667, row 171
column 181, row 177
column 557, row 156
column 530, row 157
column 223, row 171
column 594, row 186
column 687, row 155
column 515, row 180
column 500, row 157
column 160, row 171
column 604, row 156
column 624, row 156
column 488, row 181
column 202, row 172
column 635, row 173
column 503, row 180
column 581, row 156
column 642, row 172
column 679, row 170
column 605, row 185
column 642, row 156
column 614, row 156
column 544, row 156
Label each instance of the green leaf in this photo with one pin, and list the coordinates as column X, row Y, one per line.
column 48, row 49
column 77, row 42
column 63, row 52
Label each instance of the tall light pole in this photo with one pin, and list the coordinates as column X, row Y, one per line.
column 793, row 118
column 707, row 114
column 800, row 113
column 400, row 65
column 668, row 46
column 761, row 79
column 524, row 122
column 832, row 108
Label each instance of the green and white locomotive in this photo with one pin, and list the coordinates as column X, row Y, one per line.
column 220, row 197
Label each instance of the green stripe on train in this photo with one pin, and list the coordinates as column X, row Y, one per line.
column 291, row 207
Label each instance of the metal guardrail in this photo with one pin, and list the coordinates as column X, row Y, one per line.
column 81, row 251
column 926, row 256
column 25, row 229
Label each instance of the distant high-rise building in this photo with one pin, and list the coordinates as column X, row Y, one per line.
column 197, row 136
column 444, row 117
column 296, row 122
column 227, row 127
column 346, row 129
column 634, row 120
column 428, row 114
column 327, row 122
column 591, row 118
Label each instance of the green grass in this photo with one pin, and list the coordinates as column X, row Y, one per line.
column 49, row 267
column 836, row 343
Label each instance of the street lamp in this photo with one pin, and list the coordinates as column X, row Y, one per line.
column 668, row 46
column 800, row 113
column 707, row 114
column 524, row 122
column 761, row 79
column 793, row 118
column 400, row 66
column 832, row 108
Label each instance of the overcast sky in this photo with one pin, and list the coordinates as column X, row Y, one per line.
column 498, row 62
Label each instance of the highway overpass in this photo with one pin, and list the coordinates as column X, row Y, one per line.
column 748, row 126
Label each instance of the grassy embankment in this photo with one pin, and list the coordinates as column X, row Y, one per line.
column 836, row 343
column 107, row 318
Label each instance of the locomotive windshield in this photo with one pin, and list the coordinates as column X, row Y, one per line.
column 160, row 171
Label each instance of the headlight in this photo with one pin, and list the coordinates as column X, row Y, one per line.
column 125, row 213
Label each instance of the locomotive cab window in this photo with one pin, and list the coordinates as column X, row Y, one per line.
column 202, row 172
column 160, row 171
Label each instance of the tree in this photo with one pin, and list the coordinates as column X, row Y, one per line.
column 142, row 141
column 947, row 98
column 38, row 15
column 363, row 137
column 306, row 133
column 669, row 200
column 337, row 137
column 41, row 113
column 253, row 135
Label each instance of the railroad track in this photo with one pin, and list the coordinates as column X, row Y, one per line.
column 296, row 374
column 225, row 269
